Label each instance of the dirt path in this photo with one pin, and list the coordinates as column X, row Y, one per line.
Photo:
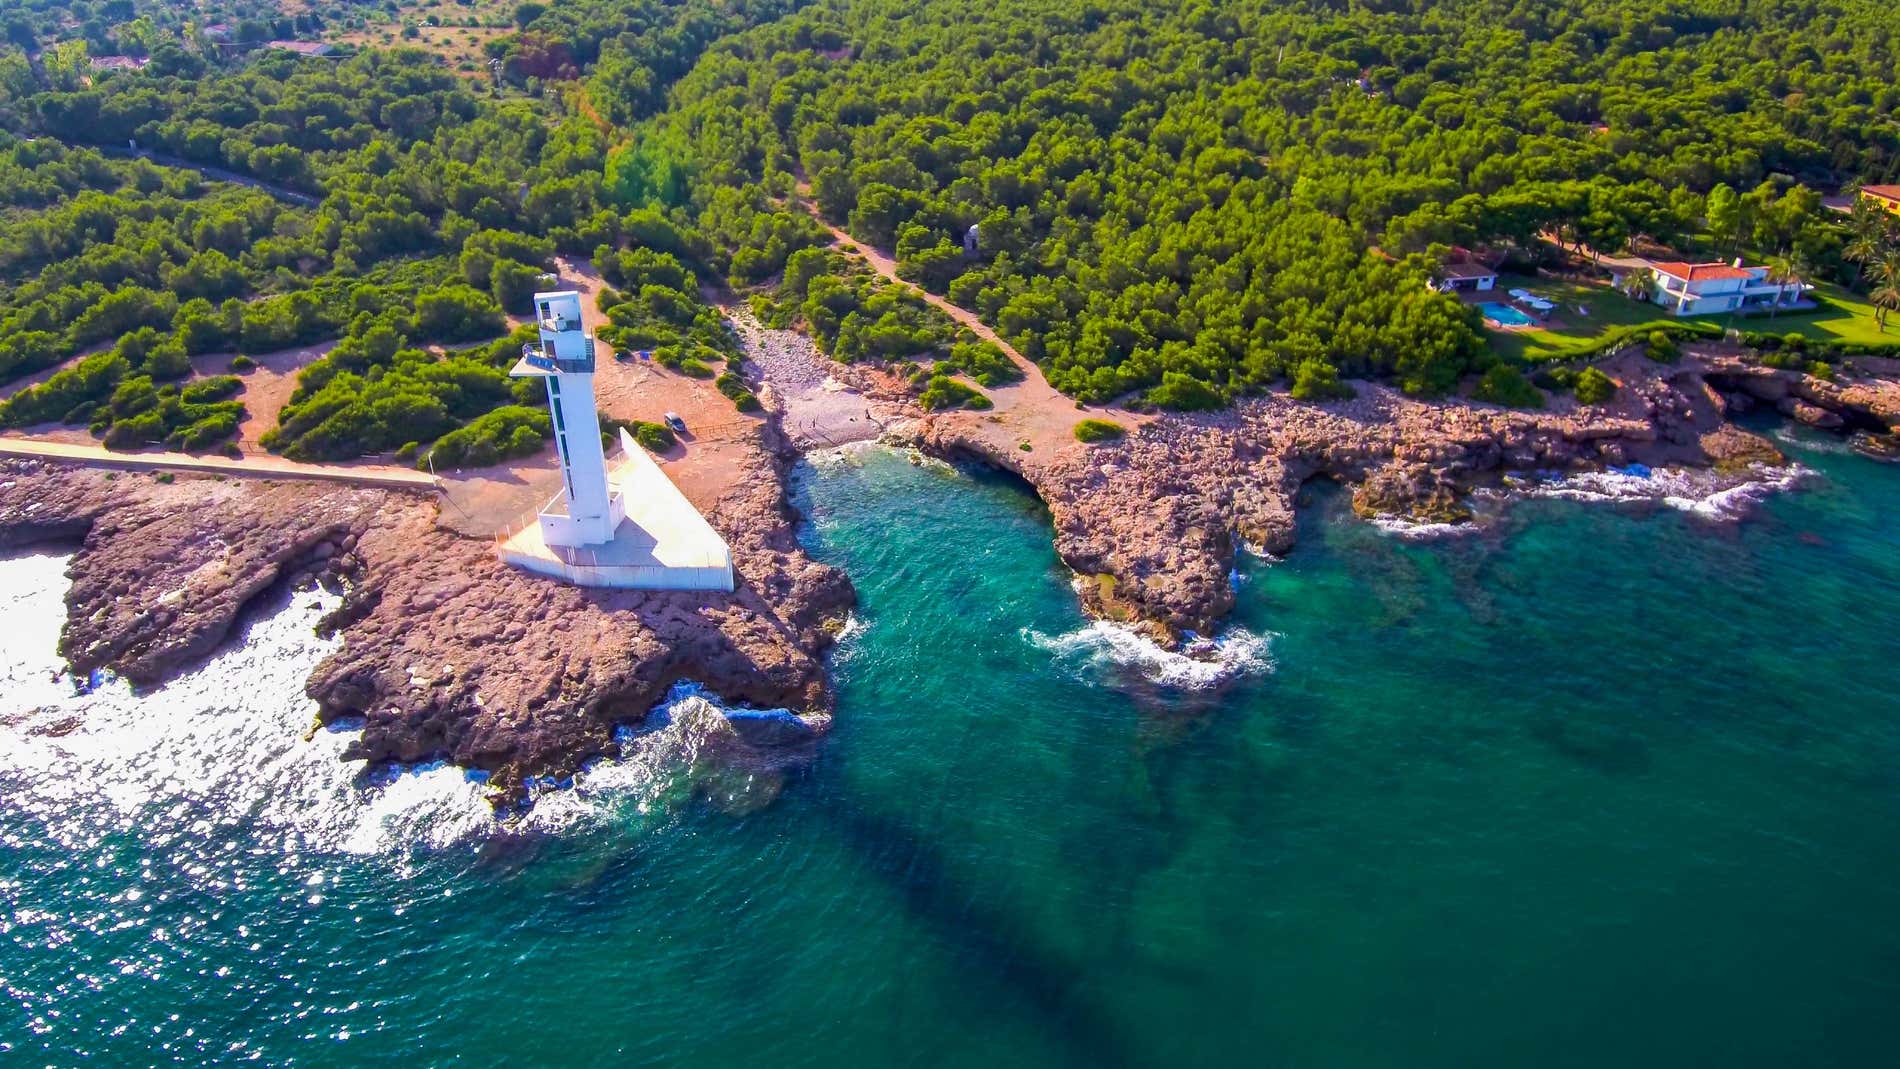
column 267, row 386
column 253, row 466
column 1027, row 412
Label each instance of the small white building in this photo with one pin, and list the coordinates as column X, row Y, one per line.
column 1466, row 276
column 627, row 528
column 1702, row 289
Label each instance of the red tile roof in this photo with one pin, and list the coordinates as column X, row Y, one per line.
column 1891, row 193
column 1698, row 272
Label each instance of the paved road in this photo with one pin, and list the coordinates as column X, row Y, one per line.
column 256, row 467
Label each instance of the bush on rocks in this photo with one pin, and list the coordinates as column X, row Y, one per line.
column 942, row 391
column 1594, row 387
column 1506, row 385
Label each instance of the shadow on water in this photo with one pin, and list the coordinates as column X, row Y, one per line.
column 980, row 935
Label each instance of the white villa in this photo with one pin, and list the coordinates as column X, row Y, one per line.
column 1700, row 289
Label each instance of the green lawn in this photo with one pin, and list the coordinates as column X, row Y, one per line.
column 1566, row 327
column 1848, row 318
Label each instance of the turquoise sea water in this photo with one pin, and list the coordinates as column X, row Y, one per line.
column 1591, row 789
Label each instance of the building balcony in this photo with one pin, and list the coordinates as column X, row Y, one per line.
column 539, row 359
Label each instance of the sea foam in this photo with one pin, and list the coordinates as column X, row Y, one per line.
column 1709, row 495
column 1103, row 647
column 233, row 744
column 1703, row 493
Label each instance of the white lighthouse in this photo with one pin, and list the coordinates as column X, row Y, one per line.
column 589, row 511
column 642, row 533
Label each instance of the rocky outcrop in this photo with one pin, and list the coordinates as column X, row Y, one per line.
column 1151, row 523
column 446, row 652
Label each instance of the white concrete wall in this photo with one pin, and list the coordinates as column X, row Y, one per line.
column 718, row 579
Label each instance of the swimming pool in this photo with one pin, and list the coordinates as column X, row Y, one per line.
column 1504, row 315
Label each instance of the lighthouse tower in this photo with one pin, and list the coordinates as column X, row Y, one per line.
column 629, row 528
column 588, row 510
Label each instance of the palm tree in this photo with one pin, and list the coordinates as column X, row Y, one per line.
column 1863, row 248
column 1886, row 293
column 1640, row 284
column 1781, row 271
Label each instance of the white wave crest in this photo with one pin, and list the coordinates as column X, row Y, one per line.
column 1106, row 646
column 839, row 457
column 234, row 744
column 1420, row 531
column 1707, row 494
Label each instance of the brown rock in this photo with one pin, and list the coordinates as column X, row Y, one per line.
column 447, row 652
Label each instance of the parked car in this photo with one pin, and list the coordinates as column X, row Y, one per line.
column 674, row 421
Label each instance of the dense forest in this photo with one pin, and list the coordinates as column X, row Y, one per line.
column 1174, row 205
column 1225, row 193
column 435, row 213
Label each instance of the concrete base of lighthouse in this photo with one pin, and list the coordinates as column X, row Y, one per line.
column 663, row 543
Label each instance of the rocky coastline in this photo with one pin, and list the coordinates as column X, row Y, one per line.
column 447, row 653
column 1151, row 524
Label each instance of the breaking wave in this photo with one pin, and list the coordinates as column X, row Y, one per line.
column 233, row 746
column 1707, row 494
column 839, row 457
column 1420, row 531
column 1103, row 647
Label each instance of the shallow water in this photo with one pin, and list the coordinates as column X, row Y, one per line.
column 1589, row 787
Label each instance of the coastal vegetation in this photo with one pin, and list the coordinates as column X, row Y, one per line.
column 1098, row 430
column 1170, row 206
column 1162, row 194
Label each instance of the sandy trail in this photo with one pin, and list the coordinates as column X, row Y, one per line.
column 1028, row 412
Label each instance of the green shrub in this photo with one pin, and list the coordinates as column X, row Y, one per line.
column 1184, row 393
column 985, row 363
column 1317, row 380
column 653, row 437
column 1506, row 385
column 695, row 367
column 1821, row 370
column 943, row 392
column 503, row 434
column 71, row 390
column 1098, row 430
column 1594, row 387
column 216, row 388
column 735, row 390
column 1560, row 379
column 1662, row 348
column 242, row 363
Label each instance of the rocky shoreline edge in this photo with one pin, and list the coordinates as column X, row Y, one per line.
column 1152, row 523
column 447, row 653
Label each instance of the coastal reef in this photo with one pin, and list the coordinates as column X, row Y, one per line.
column 1151, row 522
column 447, row 653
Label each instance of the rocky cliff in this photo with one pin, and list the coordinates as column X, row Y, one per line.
column 446, row 652
column 1152, row 522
